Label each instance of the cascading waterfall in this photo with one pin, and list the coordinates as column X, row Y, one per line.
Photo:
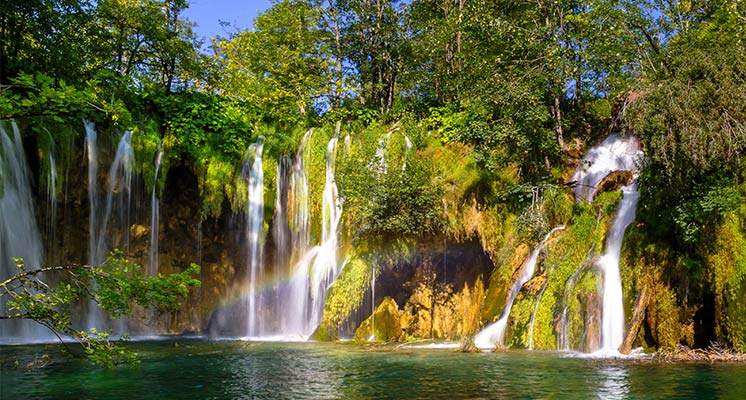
column 612, row 316
column 50, row 197
column 155, row 215
column 276, row 305
column 19, row 233
column 615, row 153
column 494, row 334
column 253, row 173
column 319, row 267
column 289, row 303
column 281, row 232
column 299, row 204
column 118, row 200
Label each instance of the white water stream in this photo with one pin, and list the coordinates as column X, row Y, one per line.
column 615, row 153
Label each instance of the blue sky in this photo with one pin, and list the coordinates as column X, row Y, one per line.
column 207, row 14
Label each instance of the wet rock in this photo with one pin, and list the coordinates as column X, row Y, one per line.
column 613, row 181
column 138, row 231
column 534, row 285
column 591, row 305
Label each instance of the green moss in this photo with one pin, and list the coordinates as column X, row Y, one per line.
column 144, row 142
column 668, row 329
column 520, row 318
column 726, row 268
column 345, row 296
column 568, row 253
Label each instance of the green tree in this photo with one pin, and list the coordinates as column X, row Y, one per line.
column 372, row 37
column 148, row 41
column 49, row 36
column 282, row 65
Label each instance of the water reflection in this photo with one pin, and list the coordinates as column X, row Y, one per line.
column 614, row 382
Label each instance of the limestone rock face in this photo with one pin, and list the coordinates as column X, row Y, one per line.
column 384, row 324
column 500, row 283
column 591, row 304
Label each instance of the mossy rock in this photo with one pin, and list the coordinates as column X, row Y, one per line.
column 501, row 281
column 345, row 296
column 384, row 324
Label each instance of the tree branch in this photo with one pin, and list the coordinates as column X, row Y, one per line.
column 42, row 270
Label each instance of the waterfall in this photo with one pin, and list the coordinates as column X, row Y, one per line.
column 112, row 230
column 301, row 215
column 281, row 232
column 50, row 197
column 612, row 316
column 284, row 298
column 318, row 268
column 155, row 215
column 615, row 153
column 92, row 154
column 118, row 200
column 494, row 334
column 379, row 163
column 320, row 264
column 254, row 175
column 19, row 233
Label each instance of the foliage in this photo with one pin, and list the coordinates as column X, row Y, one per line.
column 280, row 64
column 215, row 133
column 393, row 197
column 35, row 95
column 49, row 295
column 726, row 270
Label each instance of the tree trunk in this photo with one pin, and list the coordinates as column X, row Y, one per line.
column 638, row 315
column 558, row 122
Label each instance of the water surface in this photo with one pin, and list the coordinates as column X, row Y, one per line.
column 199, row 369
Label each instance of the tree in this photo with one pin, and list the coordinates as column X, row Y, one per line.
column 283, row 65
column 148, row 41
column 373, row 39
column 48, row 296
column 49, row 36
